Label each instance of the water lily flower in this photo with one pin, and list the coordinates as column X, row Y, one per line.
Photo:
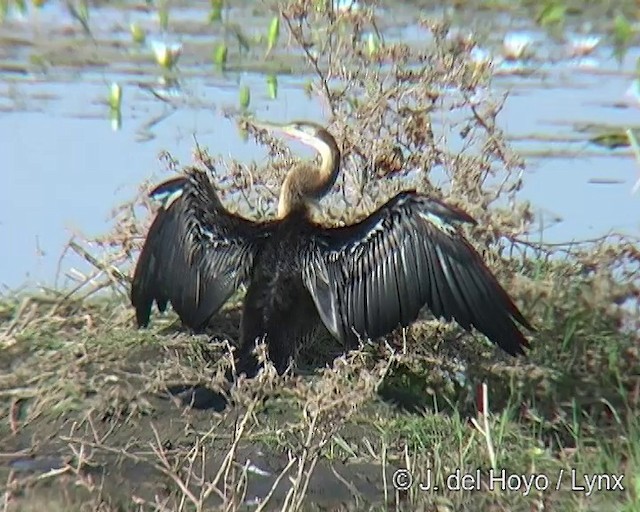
column 579, row 46
column 516, row 45
column 166, row 54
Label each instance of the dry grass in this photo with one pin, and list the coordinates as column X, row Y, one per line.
column 85, row 395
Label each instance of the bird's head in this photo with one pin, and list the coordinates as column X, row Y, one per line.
column 306, row 184
column 307, row 132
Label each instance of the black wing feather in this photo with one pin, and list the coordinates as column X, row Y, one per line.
column 196, row 253
column 377, row 274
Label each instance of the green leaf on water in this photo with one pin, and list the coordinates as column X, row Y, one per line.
column 611, row 140
column 272, row 86
column 137, row 33
column 622, row 30
column 163, row 15
column 115, row 96
column 622, row 35
column 553, row 12
column 220, row 56
column 274, row 33
column 216, row 10
column 245, row 97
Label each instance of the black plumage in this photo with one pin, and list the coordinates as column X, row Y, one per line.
column 360, row 280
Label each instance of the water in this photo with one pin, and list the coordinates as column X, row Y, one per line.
column 563, row 187
column 65, row 168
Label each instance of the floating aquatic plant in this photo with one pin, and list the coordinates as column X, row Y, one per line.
column 274, row 33
column 582, row 45
column 166, row 54
column 215, row 14
column 244, row 97
column 611, row 139
column 115, row 96
column 220, row 56
column 272, row 86
column 516, row 45
column 552, row 13
column 138, row 34
column 622, row 34
column 115, row 104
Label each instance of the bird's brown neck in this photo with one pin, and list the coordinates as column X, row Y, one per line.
column 306, row 184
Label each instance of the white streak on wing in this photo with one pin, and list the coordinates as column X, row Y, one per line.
column 167, row 199
column 438, row 223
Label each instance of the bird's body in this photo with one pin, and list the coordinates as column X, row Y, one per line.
column 360, row 280
column 277, row 305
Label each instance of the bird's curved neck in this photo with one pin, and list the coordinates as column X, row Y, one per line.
column 306, row 184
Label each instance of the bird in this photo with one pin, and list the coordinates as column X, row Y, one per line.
column 361, row 281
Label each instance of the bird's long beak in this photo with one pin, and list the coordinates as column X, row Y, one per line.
column 285, row 129
column 270, row 127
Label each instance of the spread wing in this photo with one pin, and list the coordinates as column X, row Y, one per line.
column 196, row 253
column 370, row 277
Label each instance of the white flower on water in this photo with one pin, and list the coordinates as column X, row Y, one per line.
column 579, row 46
column 516, row 45
column 166, row 54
